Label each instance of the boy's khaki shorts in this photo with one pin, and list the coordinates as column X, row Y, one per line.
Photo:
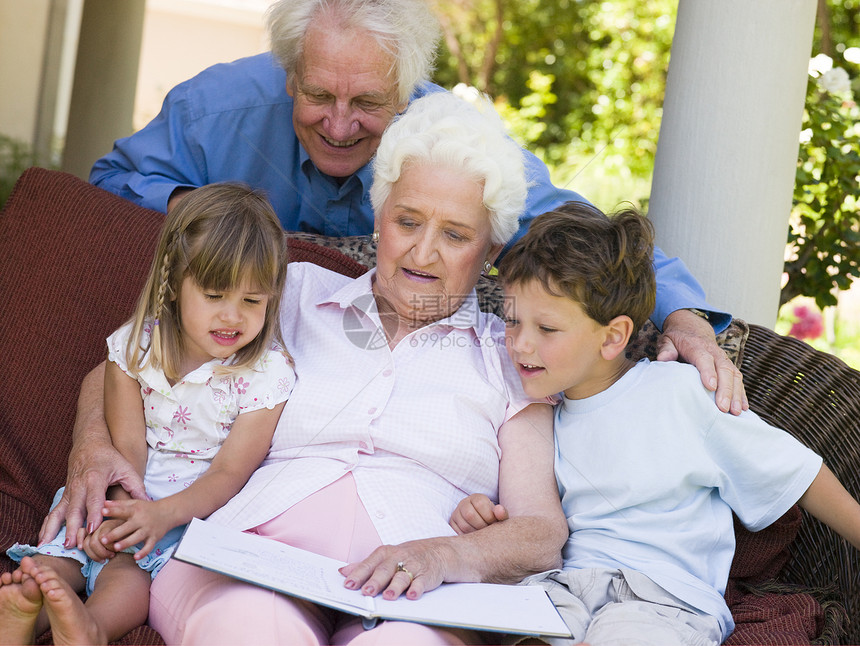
column 601, row 608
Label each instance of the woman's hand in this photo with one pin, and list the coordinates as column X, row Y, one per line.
column 410, row 568
column 690, row 338
column 527, row 542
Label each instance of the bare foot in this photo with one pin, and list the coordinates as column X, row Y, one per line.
column 71, row 622
column 20, row 603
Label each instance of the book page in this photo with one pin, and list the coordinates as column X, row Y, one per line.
column 271, row 564
column 483, row 606
column 277, row 566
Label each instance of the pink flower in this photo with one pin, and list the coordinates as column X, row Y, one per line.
column 182, row 415
column 242, row 385
column 809, row 323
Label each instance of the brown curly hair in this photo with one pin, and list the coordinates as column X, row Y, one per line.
column 604, row 263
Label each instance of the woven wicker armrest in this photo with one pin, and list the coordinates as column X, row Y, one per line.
column 816, row 397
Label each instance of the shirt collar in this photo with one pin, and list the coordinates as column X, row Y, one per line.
column 359, row 293
column 364, row 175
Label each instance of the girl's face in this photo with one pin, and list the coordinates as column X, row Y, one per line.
column 217, row 324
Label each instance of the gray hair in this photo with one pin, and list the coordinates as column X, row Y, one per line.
column 407, row 29
column 445, row 130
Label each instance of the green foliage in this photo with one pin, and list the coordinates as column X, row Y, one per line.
column 824, row 232
column 579, row 82
column 15, row 158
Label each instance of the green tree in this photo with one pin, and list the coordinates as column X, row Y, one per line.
column 824, row 231
column 577, row 80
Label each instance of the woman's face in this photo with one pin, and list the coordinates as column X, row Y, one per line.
column 434, row 237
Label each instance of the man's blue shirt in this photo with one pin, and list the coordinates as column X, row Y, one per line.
column 234, row 122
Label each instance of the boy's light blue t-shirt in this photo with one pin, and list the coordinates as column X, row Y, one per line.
column 650, row 470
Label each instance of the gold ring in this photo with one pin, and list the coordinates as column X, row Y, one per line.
column 400, row 568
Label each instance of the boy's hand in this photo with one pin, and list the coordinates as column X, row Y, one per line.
column 92, row 543
column 476, row 512
column 140, row 521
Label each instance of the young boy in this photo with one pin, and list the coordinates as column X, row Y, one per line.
column 649, row 470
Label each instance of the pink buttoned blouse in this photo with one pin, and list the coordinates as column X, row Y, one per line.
column 416, row 426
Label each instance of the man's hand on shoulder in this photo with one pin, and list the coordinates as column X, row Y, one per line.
column 689, row 337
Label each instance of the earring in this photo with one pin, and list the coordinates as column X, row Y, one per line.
column 375, row 236
column 488, row 266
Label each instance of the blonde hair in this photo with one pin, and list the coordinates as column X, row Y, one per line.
column 218, row 235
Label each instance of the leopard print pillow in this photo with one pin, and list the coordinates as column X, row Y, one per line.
column 490, row 299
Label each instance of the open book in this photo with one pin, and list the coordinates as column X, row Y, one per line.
column 523, row 610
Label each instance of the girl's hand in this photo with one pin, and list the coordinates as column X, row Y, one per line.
column 140, row 521
column 92, row 543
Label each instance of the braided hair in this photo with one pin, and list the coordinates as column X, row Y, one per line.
column 217, row 235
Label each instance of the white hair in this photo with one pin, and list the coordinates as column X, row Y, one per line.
column 407, row 29
column 445, row 130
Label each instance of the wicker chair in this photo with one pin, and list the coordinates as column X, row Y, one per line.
column 816, row 397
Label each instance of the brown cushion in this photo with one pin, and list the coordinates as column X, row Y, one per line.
column 765, row 611
column 304, row 251
column 74, row 258
column 73, row 261
column 761, row 555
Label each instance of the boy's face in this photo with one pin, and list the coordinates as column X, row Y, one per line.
column 553, row 343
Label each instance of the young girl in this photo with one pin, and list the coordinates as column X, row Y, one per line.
column 202, row 352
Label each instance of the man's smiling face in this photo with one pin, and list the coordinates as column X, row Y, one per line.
column 345, row 95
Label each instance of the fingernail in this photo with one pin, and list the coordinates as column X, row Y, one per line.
column 368, row 590
column 349, row 583
column 713, row 383
column 91, row 527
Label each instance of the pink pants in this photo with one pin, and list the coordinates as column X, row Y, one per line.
column 189, row 605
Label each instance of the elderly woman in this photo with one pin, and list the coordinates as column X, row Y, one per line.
column 405, row 402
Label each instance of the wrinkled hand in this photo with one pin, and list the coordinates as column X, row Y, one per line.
column 475, row 512
column 93, row 545
column 379, row 573
column 691, row 339
column 92, row 469
column 142, row 521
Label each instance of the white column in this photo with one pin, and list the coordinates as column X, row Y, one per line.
column 102, row 100
column 23, row 28
column 725, row 163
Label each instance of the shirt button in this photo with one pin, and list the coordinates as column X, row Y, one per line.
column 380, row 514
column 371, row 411
column 387, row 372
